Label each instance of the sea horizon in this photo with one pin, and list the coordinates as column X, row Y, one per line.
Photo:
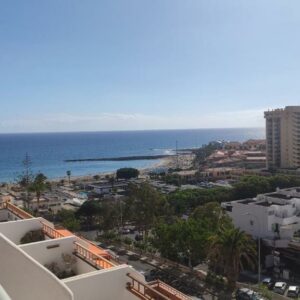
column 131, row 130
column 48, row 151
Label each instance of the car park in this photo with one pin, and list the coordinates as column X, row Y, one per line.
column 268, row 282
column 280, row 287
column 247, row 294
column 293, row 291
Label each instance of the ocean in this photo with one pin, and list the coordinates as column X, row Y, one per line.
column 49, row 150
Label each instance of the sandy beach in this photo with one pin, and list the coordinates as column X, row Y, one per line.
column 183, row 161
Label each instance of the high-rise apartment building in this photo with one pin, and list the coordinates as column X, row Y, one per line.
column 283, row 137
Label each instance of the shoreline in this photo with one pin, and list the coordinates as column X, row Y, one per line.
column 183, row 160
column 170, row 161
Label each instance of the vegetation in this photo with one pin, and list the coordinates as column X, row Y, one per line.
column 26, row 177
column 185, row 201
column 187, row 241
column 206, row 235
column 230, row 249
column 144, row 206
column 32, row 236
column 96, row 177
column 38, row 185
column 127, row 173
column 105, row 215
column 68, row 220
column 69, row 176
column 203, row 152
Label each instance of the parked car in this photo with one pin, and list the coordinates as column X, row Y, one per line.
column 293, row 291
column 280, row 287
column 247, row 294
column 121, row 251
column 124, row 231
column 268, row 282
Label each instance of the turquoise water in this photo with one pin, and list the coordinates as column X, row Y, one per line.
column 49, row 150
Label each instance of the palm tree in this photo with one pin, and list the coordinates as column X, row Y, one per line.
column 38, row 186
column 69, row 176
column 230, row 249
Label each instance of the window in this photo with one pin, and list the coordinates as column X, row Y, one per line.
column 251, row 222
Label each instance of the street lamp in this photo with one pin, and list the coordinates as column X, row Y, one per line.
column 259, row 271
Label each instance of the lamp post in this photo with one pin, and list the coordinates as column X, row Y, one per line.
column 259, row 271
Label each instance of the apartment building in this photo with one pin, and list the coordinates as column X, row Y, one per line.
column 63, row 266
column 283, row 137
column 273, row 217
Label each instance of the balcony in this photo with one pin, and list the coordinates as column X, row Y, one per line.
column 81, row 268
column 157, row 290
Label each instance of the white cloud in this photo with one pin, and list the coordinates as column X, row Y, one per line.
column 136, row 121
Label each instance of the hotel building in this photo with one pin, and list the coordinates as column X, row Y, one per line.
column 283, row 138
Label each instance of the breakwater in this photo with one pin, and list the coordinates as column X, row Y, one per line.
column 122, row 158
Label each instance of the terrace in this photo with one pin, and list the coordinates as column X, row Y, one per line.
column 80, row 267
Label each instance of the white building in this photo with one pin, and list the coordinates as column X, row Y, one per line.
column 274, row 217
column 63, row 266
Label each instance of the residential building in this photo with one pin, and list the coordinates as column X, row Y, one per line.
column 273, row 217
column 62, row 266
column 283, row 137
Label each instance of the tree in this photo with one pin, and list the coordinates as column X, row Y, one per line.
column 212, row 216
column 188, row 240
column 26, row 177
column 68, row 219
column 185, row 201
column 38, row 186
column 96, row 177
column 144, row 205
column 230, row 249
column 69, row 176
column 89, row 211
column 127, row 173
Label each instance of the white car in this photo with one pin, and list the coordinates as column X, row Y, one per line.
column 280, row 287
column 293, row 291
column 247, row 294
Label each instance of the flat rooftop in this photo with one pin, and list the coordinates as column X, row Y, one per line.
column 269, row 203
column 247, row 201
column 282, row 196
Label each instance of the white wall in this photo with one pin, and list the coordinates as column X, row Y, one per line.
column 5, row 215
column 25, row 279
column 243, row 214
column 44, row 255
column 107, row 284
column 15, row 230
column 82, row 267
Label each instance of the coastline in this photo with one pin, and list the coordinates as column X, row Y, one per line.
column 184, row 162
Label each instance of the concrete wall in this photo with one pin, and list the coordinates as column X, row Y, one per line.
column 252, row 219
column 41, row 252
column 5, row 216
column 108, row 284
column 25, row 279
column 82, row 267
column 15, row 230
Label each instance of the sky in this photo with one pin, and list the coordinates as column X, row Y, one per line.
column 92, row 65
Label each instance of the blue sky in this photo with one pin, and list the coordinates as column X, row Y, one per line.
column 73, row 65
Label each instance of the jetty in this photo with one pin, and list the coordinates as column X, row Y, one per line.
column 122, row 158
